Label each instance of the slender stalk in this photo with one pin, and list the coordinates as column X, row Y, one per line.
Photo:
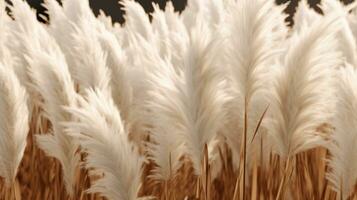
column 324, row 191
column 235, row 194
column 12, row 192
column 167, row 181
column 259, row 123
column 254, row 190
column 283, row 180
column 17, row 192
column 261, row 153
column 198, row 187
column 206, row 172
column 245, row 128
column 341, row 189
column 242, row 160
column 8, row 192
column 166, row 193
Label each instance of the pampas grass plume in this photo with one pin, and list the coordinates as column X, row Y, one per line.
column 343, row 146
column 100, row 132
column 300, row 101
column 14, row 123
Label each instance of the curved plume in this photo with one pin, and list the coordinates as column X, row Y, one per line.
column 121, row 88
column 165, row 118
column 345, row 35
column 75, row 28
column 111, row 156
column 304, row 15
column 24, row 25
column 300, row 100
column 14, row 124
column 193, row 97
column 255, row 31
column 50, row 77
column 137, row 22
column 203, row 95
column 91, row 69
column 343, row 146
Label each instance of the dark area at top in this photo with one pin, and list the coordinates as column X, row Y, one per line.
column 113, row 8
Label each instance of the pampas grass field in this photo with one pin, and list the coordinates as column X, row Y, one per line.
column 222, row 101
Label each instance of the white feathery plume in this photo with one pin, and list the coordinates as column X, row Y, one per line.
column 302, row 96
column 352, row 21
column 111, row 156
column 255, row 31
column 173, row 18
column 165, row 118
column 347, row 40
column 202, row 103
column 214, row 14
column 139, row 74
column 90, row 68
column 192, row 98
column 343, row 145
column 158, row 17
column 60, row 26
column 253, row 35
column 85, row 56
column 75, row 10
column 51, row 79
column 25, row 29
column 14, row 124
column 136, row 19
column 210, row 12
column 120, row 82
column 137, row 22
column 113, row 27
column 128, row 74
column 62, row 29
column 304, row 15
column 191, row 12
column 161, row 31
column 123, row 81
column 24, row 25
column 170, row 32
column 178, row 34
column 106, row 20
column 5, row 23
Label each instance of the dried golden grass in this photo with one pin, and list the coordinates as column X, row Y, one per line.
column 40, row 177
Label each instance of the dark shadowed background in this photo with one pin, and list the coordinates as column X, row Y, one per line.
column 112, row 8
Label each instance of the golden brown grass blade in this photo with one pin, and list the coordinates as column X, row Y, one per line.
column 198, row 188
column 240, row 183
column 206, row 173
column 280, row 194
column 244, row 150
column 259, row 123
